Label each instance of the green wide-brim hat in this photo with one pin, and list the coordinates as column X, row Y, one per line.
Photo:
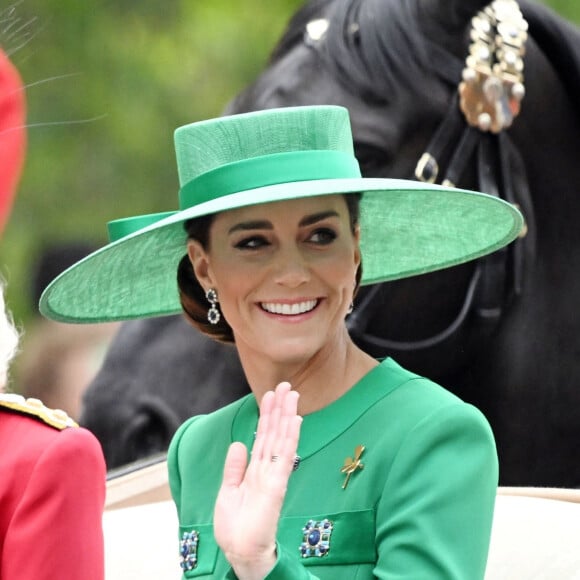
column 407, row 227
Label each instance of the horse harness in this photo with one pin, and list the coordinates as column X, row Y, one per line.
column 485, row 104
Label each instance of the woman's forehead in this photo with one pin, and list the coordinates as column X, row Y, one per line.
column 294, row 209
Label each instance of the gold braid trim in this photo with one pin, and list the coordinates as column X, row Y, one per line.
column 35, row 408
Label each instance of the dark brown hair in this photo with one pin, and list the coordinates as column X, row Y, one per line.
column 192, row 295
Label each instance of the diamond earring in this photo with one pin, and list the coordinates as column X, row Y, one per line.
column 213, row 314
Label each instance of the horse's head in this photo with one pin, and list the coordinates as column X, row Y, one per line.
column 397, row 67
column 377, row 58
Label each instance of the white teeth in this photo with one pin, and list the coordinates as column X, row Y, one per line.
column 289, row 309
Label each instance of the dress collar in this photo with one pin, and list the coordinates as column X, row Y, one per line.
column 321, row 427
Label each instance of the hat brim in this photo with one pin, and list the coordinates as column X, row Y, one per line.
column 407, row 228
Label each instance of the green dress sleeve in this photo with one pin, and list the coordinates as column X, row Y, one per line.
column 435, row 512
column 286, row 568
column 173, row 462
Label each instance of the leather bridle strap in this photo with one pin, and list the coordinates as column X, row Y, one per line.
column 429, row 165
column 498, row 162
column 377, row 344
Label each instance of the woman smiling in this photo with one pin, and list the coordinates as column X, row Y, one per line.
column 336, row 465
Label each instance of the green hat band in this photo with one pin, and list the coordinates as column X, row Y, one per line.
column 267, row 170
column 120, row 228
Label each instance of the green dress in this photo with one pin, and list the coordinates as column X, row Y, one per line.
column 418, row 506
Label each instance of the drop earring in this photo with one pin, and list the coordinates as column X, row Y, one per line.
column 351, row 306
column 213, row 314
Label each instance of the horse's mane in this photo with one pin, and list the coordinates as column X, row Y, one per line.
column 294, row 32
column 369, row 63
column 371, row 46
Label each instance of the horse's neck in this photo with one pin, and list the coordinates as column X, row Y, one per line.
column 546, row 134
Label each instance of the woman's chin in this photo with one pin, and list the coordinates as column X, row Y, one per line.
column 295, row 351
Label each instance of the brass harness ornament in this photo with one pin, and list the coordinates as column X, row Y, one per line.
column 492, row 85
column 493, row 81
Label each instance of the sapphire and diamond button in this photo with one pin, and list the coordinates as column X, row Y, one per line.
column 188, row 550
column 316, row 538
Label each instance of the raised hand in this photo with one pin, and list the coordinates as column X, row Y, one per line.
column 251, row 495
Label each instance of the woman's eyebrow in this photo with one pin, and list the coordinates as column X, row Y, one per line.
column 266, row 225
column 251, row 225
column 316, row 217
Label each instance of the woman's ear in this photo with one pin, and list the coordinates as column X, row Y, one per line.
column 200, row 264
column 357, row 252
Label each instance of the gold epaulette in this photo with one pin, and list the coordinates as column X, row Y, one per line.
column 30, row 407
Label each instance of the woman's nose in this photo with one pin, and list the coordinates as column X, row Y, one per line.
column 291, row 268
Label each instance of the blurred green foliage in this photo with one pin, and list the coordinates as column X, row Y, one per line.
column 108, row 82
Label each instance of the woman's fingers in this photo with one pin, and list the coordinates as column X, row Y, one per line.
column 291, row 440
column 278, row 428
column 235, row 465
column 288, row 429
column 251, row 496
column 266, row 406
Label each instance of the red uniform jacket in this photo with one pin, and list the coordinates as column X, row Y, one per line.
column 52, row 493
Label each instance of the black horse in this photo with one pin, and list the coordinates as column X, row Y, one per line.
column 503, row 332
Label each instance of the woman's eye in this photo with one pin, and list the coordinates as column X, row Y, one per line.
column 251, row 243
column 323, row 236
